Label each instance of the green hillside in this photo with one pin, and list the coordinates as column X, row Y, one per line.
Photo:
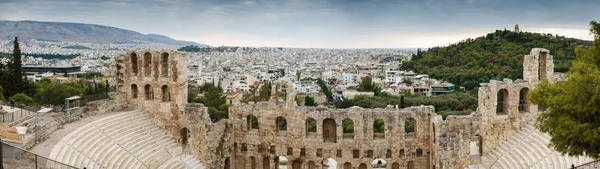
column 497, row 55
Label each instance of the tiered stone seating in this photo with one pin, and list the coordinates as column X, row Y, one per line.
column 528, row 148
column 183, row 161
column 124, row 140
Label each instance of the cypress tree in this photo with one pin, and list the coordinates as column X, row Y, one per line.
column 15, row 73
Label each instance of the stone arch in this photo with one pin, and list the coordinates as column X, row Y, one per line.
column 184, row 134
column 297, row 164
column 252, row 121
column 147, row 64
column 311, row 125
column 312, row 165
column 164, row 64
column 523, row 102
column 134, row 91
column 395, row 165
column 329, row 130
column 134, row 63
column 502, row 104
column 166, row 93
column 281, row 124
column 252, row 162
column 410, row 125
column 378, row 129
column 347, row 165
column 227, row 164
column 148, row 92
column 362, row 166
column 411, row 165
column 543, row 66
column 266, row 163
column 348, row 128
column 401, row 154
column 388, row 153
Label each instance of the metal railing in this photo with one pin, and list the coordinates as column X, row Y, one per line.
column 15, row 157
column 18, row 113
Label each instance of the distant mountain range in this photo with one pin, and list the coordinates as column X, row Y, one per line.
column 79, row 32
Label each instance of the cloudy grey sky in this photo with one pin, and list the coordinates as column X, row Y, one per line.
column 317, row 23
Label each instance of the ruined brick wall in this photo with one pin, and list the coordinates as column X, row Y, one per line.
column 304, row 148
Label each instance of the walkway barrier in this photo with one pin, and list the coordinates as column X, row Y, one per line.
column 15, row 157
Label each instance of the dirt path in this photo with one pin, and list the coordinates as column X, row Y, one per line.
column 45, row 147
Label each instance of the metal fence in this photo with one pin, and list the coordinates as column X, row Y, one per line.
column 17, row 158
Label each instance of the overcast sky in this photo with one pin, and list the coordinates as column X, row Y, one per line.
column 317, row 23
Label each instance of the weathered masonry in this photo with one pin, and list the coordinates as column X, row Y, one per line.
column 279, row 133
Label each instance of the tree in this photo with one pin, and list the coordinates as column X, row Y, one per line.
column 22, row 98
column 408, row 81
column 309, row 101
column 298, row 76
column 366, row 84
column 572, row 117
column 56, row 93
column 13, row 80
column 325, row 90
column 258, row 92
column 1, row 96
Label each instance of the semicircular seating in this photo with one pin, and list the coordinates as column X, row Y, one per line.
column 123, row 140
column 528, row 148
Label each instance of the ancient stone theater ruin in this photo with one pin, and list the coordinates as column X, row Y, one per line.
column 157, row 128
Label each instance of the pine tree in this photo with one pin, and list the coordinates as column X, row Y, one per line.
column 14, row 75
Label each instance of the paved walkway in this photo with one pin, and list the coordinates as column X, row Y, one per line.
column 45, row 147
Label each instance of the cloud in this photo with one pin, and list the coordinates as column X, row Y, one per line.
column 314, row 23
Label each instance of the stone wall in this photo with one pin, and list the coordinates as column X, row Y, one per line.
column 235, row 143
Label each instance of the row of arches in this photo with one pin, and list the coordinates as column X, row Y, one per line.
column 149, row 93
column 298, row 164
column 329, row 127
column 503, row 101
column 147, row 64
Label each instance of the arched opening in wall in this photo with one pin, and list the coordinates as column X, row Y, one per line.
column 134, row 91
column 311, row 165
column 281, row 124
column 388, row 154
column 134, row 64
column 395, row 165
column 523, row 102
column 410, row 128
column 419, row 152
column 348, row 129
column 227, row 165
column 347, row 165
column 297, row 164
column 252, row 121
column 362, row 166
column 166, row 93
column 252, row 162
column 184, row 134
column 164, row 64
column 329, row 130
column 401, row 153
column 311, row 126
column 502, row 102
column 148, row 92
column 378, row 129
column 542, row 75
column 411, row 165
column 266, row 163
column 147, row 64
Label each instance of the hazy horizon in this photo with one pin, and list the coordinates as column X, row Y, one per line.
column 317, row 23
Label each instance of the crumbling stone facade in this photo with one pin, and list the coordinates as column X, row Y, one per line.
column 279, row 133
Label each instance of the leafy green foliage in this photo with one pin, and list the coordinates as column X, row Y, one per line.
column 325, row 89
column 194, row 49
column 348, row 126
column 213, row 98
column 22, row 98
column 90, row 75
column 311, row 125
column 309, row 101
column 408, row 81
column 573, row 118
column 49, row 56
column 56, row 93
column 1, row 96
column 254, row 122
column 378, row 126
column 409, row 125
column 104, row 57
column 455, row 103
column 497, row 55
column 255, row 94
